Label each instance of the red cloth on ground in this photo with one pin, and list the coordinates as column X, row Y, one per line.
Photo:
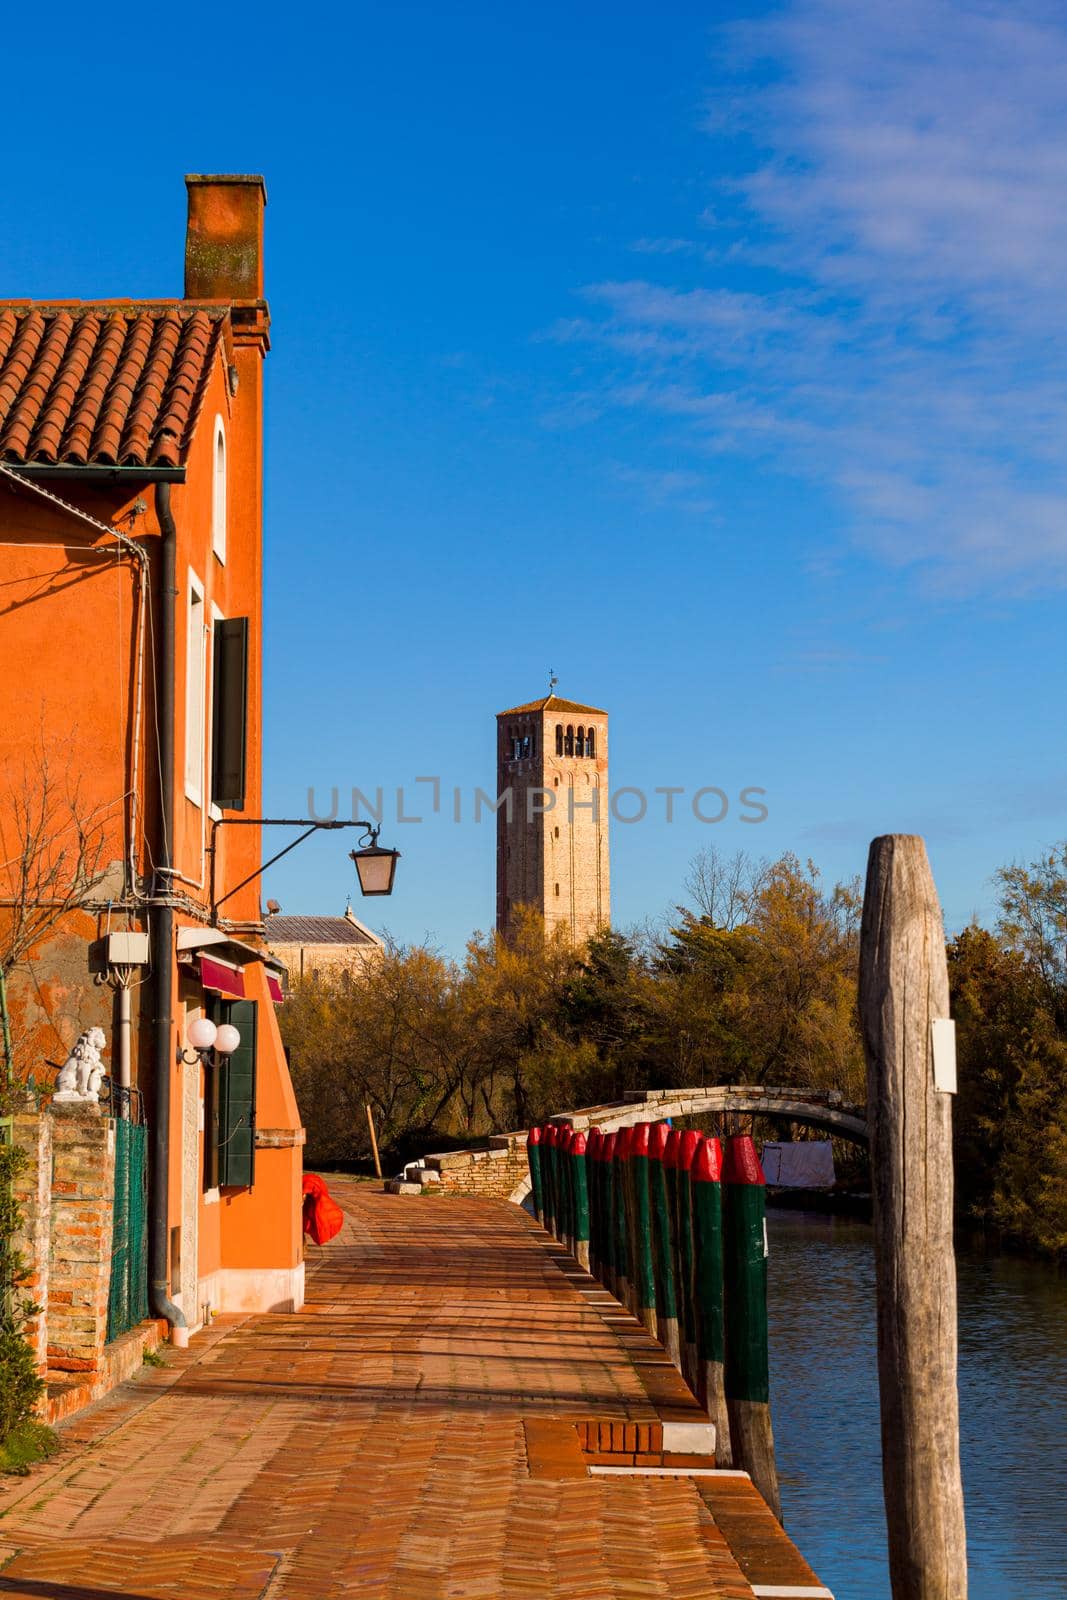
column 323, row 1217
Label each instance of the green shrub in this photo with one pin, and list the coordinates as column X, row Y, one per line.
column 29, row 1442
column 20, row 1387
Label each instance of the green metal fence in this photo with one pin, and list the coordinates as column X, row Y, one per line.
column 128, row 1297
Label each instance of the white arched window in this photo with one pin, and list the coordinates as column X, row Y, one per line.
column 218, row 492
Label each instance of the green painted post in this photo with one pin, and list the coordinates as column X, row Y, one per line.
column 670, row 1173
column 533, row 1156
column 557, row 1181
column 622, row 1219
column 644, row 1279
column 687, row 1147
column 580, row 1180
column 746, row 1378
column 663, row 1244
column 548, row 1174
column 607, row 1212
column 705, row 1188
column 567, row 1171
column 560, row 1185
column 592, row 1175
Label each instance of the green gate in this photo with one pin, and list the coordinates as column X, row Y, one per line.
column 128, row 1298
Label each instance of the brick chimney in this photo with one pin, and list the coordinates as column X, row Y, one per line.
column 224, row 238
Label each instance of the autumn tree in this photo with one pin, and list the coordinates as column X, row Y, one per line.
column 51, row 862
column 1009, row 999
column 767, row 994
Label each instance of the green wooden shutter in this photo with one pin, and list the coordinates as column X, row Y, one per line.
column 237, row 1101
column 229, row 698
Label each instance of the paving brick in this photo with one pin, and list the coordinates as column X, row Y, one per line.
column 415, row 1433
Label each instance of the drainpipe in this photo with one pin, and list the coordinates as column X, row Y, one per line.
column 123, row 1051
column 160, row 1303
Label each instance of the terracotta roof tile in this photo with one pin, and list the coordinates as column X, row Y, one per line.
column 109, row 383
column 552, row 702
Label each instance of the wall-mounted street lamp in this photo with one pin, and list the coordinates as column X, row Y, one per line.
column 204, row 1037
column 375, row 866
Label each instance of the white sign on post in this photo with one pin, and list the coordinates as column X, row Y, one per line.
column 943, row 1043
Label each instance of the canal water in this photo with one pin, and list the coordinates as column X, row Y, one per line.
column 824, row 1396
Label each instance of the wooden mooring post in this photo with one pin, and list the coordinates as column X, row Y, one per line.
column 374, row 1141
column 903, row 990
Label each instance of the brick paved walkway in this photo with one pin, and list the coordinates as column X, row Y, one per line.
column 395, row 1441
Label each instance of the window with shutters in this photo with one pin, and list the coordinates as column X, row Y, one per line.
column 230, row 1126
column 229, row 726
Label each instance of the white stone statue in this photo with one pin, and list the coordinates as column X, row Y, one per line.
column 83, row 1071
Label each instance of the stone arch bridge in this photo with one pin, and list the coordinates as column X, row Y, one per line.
column 498, row 1167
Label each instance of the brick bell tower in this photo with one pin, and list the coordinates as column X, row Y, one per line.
column 552, row 842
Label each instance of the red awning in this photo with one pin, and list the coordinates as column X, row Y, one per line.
column 219, row 976
column 274, row 988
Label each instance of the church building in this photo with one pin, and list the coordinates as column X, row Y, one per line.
column 552, row 828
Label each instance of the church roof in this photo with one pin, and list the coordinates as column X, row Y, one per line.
column 318, row 930
column 552, row 702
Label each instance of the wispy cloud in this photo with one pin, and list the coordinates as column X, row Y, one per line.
column 675, row 488
column 665, row 247
column 904, row 341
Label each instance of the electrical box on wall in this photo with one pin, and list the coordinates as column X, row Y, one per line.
column 127, row 949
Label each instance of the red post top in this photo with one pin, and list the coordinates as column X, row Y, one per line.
column 550, row 1133
column 690, row 1142
column 741, row 1164
column 622, row 1143
column 578, row 1143
column 639, row 1139
column 707, row 1162
column 607, row 1146
column 657, row 1140
column 670, row 1154
column 534, row 1135
column 596, row 1139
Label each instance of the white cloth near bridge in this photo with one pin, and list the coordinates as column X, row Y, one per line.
column 805, row 1164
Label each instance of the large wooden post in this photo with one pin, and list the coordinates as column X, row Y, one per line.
column 903, row 989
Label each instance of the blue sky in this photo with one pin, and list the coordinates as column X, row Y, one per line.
column 713, row 357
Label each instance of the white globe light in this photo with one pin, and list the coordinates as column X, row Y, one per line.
column 227, row 1039
column 202, row 1033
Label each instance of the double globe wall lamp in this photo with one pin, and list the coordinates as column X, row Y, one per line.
column 375, row 865
column 204, row 1037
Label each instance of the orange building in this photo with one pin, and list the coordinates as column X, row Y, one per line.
column 130, row 708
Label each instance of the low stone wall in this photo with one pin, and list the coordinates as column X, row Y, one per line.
column 66, row 1194
column 491, row 1171
column 83, row 1198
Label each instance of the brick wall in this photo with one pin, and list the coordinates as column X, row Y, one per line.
column 32, row 1133
column 83, row 1183
column 493, row 1171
